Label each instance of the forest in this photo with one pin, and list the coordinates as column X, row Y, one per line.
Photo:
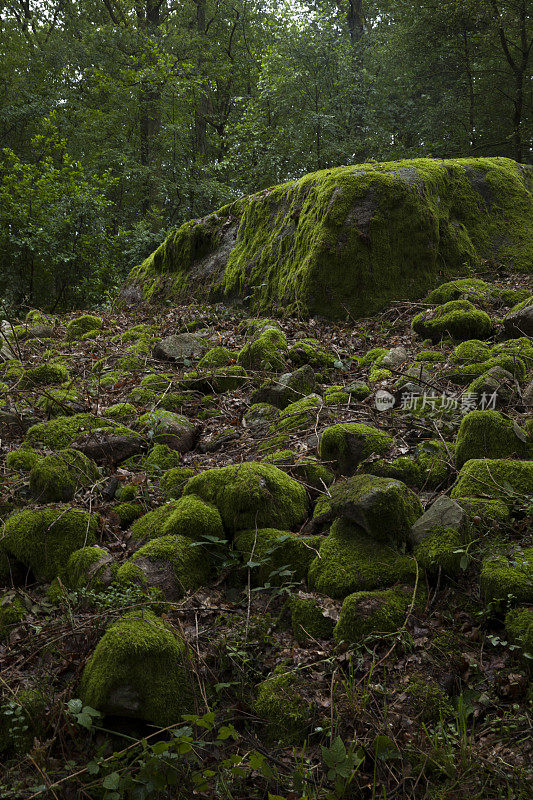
column 121, row 120
column 266, row 400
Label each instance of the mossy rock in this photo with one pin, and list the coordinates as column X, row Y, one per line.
column 89, row 567
column 150, row 525
column 471, row 352
column 281, row 705
column 160, row 458
column 488, row 434
column 350, row 561
column 463, row 375
column 123, row 412
column 487, row 512
column 336, row 395
column 519, row 627
column 276, row 557
column 139, row 670
column 127, row 513
column 87, row 322
column 497, row 479
column 508, row 578
column 287, row 388
column 166, row 427
column 60, row 402
column 266, row 352
column 60, row 432
column 311, row 351
column 359, row 390
column 216, row 357
column 494, row 387
column 347, row 241
column 440, row 550
column 384, row 508
column 308, row 620
column 43, row 539
column 173, row 482
column 300, row 415
column 193, row 518
column 474, row 289
column 252, row 494
column 23, row 459
column 44, row 375
column 12, row 611
column 312, row 473
column 402, row 469
column 367, row 613
column 458, row 319
column 431, row 356
column 344, row 446
column 57, row 478
column 171, row 564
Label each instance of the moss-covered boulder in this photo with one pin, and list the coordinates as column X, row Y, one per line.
column 308, row 619
column 497, row 479
column 61, row 431
column 519, row 627
column 43, row 539
column 488, row 434
column 44, row 375
column 471, row 351
column 174, row 430
column 284, row 709
column 160, row 458
column 252, row 494
column 476, row 290
column 171, row 564
column 508, row 578
column 216, row 380
column 22, row 459
column 311, row 351
column 366, row 613
column 428, row 699
column 266, row 350
column 350, row 561
column 458, row 319
column 344, row 446
column 173, row 482
column 89, row 567
column 276, row 557
column 287, row 388
column 138, row 670
column 83, row 324
column 384, row 508
column 12, row 611
column 57, row 478
column 348, row 240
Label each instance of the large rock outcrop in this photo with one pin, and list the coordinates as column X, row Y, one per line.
column 348, row 240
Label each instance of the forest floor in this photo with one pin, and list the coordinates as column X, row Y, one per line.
column 367, row 732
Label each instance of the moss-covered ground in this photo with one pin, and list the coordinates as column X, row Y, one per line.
column 302, row 677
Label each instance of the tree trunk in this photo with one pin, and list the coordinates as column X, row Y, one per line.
column 148, row 20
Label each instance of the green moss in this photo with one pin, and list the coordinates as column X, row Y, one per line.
column 60, row 432
column 58, row 402
column 385, row 508
column 88, row 567
column 521, row 347
column 497, row 479
column 313, row 474
column 359, row 390
column 277, row 557
column 285, row 711
column 458, row 319
column 87, row 322
column 472, row 351
column 373, row 356
column 12, row 611
column 366, row 613
column 44, row 539
column 508, row 579
column 438, row 550
column 161, row 458
column 350, row 561
column 57, row 478
column 150, row 525
column 193, row 518
column 109, row 379
column 402, row 469
column 308, row 620
column 135, row 356
column 251, row 494
column 463, row 375
column 141, row 331
column 22, row 460
column 491, row 435
column 121, row 411
column 490, row 512
column 519, row 627
column 298, row 416
column 128, row 513
column 428, row 700
column 336, row 395
column 216, row 357
column 139, row 670
column 431, row 356
column 192, row 567
column 474, row 289
column 311, row 351
column 143, row 397
column 344, row 446
column 156, row 381
column 44, row 375
column 267, row 352
column 173, row 482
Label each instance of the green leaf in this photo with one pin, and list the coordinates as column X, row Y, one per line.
column 111, row 781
